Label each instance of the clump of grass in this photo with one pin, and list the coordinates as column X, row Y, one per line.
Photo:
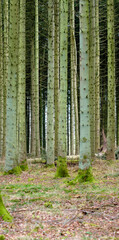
column 62, row 170
column 48, row 205
column 24, row 165
column 84, row 176
column 17, row 171
column 2, row 237
column 4, row 213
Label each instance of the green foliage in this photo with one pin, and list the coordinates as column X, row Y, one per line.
column 24, row 165
column 17, row 171
column 4, row 213
column 62, row 170
column 2, row 237
column 83, row 176
column 48, row 204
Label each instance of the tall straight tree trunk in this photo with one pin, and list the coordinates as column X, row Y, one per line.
column 42, row 102
column 21, row 85
column 62, row 134
column 35, row 132
column 50, row 100
column 33, row 139
column 11, row 158
column 85, row 148
column 92, row 76
column 5, row 69
column 111, row 81
column 74, row 76
column 62, row 127
column 1, row 81
column 97, row 78
column 117, row 109
column 76, row 102
column 56, row 71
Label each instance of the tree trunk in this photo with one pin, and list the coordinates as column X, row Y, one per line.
column 21, row 85
column 85, row 148
column 111, row 81
column 56, row 71
column 97, row 79
column 37, row 131
column 1, row 81
column 11, row 158
column 62, row 127
column 50, row 101
column 62, row 134
column 74, row 71
column 92, row 76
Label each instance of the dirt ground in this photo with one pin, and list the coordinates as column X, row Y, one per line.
column 45, row 208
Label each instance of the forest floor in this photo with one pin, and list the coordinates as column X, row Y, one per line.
column 45, row 208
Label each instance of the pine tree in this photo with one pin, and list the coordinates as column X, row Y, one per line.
column 85, row 148
column 50, row 98
column 11, row 158
column 111, row 81
column 1, row 80
column 97, row 78
column 62, row 128
column 92, row 75
column 21, row 85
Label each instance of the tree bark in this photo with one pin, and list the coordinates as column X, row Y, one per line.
column 85, row 148
column 111, row 81
column 11, row 158
column 50, row 101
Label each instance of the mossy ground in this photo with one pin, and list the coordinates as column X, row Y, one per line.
column 62, row 170
column 4, row 214
column 24, row 165
column 17, row 171
column 2, row 237
column 44, row 207
column 83, row 176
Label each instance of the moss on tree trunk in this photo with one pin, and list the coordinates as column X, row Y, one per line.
column 3, row 212
column 17, row 170
column 62, row 170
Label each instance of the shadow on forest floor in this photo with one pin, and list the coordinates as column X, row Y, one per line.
column 46, row 208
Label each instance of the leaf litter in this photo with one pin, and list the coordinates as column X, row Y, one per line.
column 46, row 208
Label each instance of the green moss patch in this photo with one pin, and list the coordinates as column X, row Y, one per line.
column 24, row 165
column 83, row 176
column 17, row 171
column 48, row 205
column 2, row 237
column 4, row 213
column 62, row 170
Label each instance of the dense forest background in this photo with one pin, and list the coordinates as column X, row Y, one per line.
column 58, row 80
column 59, row 119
